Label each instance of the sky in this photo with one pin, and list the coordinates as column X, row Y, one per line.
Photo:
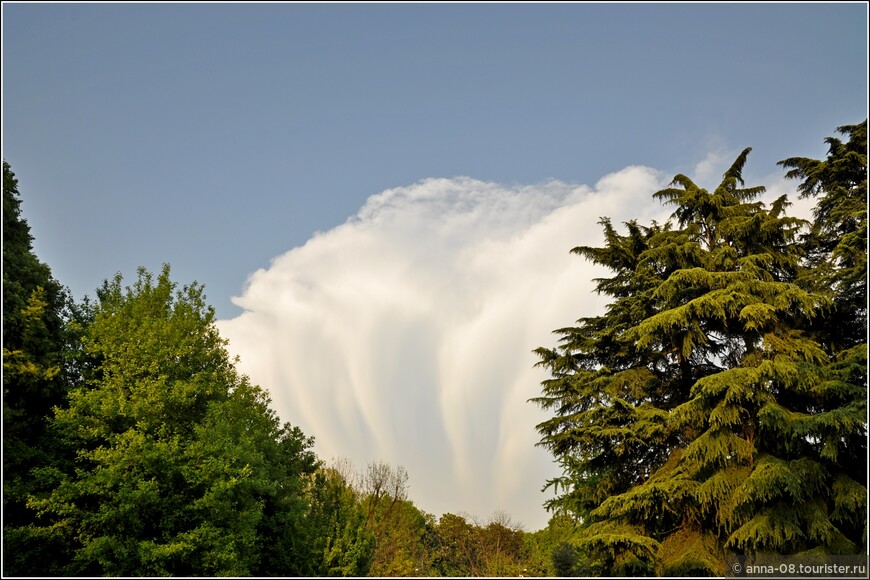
column 380, row 199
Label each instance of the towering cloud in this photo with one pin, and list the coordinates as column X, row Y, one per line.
column 406, row 334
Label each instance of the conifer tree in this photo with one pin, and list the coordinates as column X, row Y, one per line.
column 837, row 266
column 837, row 242
column 35, row 378
column 688, row 418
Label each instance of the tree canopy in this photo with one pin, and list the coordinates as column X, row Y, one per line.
column 37, row 343
column 704, row 413
column 179, row 461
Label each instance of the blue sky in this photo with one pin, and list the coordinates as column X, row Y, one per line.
column 222, row 138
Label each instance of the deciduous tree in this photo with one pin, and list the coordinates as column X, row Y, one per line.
column 342, row 544
column 181, row 466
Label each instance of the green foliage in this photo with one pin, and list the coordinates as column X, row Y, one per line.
column 460, row 547
column 33, row 365
column 23, row 273
column 180, row 465
column 836, row 248
column 36, row 346
column 399, row 529
column 341, row 543
column 394, row 538
column 458, row 551
column 691, row 552
column 564, row 560
column 705, row 411
column 403, row 534
column 541, row 547
column 502, row 547
column 837, row 242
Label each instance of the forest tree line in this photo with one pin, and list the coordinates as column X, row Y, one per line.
column 718, row 406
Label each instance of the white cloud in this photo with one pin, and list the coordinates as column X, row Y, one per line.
column 405, row 335
column 710, row 169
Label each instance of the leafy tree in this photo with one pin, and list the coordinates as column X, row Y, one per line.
column 23, row 273
column 181, row 467
column 495, row 548
column 698, row 415
column 458, row 552
column 402, row 535
column 542, row 546
column 400, row 531
column 342, row 543
column 501, row 547
column 35, row 378
column 395, row 523
column 428, row 548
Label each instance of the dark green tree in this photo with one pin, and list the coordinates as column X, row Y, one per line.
column 35, row 379
column 837, row 267
column 837, row 242
column 181, row 468
column 24, row 273
column 611, row 396
column 689, row 417
column 564, row 560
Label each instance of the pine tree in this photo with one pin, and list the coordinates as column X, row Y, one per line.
column 687, row 416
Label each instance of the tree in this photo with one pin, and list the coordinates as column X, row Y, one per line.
column 837, row 242
column 399, row 530
column 690, row 417
column 837, row 266
column 23, row 272
column 611, row 396
column 382, row 483
column 181, row 467
column 342, row 544
column 35, row 379
column 551, row 552
column 458, row 553
column 564, row 560
column 501, row 546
